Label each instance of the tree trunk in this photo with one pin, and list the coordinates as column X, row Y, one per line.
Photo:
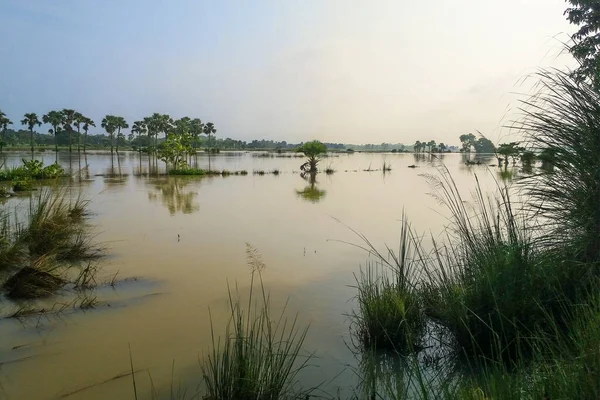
column 78, row 140
column 31, row 141
column 209, row 150
column 84, row 141
column 70, row 149
column 118, row 135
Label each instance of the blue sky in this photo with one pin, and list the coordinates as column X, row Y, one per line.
column 338, row 70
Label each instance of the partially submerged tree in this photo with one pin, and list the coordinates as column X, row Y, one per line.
column 4, row 122
column 109, row 124
column 467, row 141
column 55, row 119
column 31, row 120
column 87, row 122
column 69, row 117
column 312, row 150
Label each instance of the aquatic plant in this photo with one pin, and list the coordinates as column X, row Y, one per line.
column 259, row 356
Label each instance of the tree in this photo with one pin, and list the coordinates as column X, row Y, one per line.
column 312, row 150
column 484, row 145
column 586, row 47
column 417, row 146
column 69, row 118
column 442, row 147
column 120, row 123
column 87, row 122
column 139, row 128
column 208, row 129
column 468, row 141
column 55, row 119
column 431, row 145
column 31, row 120
column 510, row 150
column 77, row 121
column 177, row 145
column 4, row 123
column 110, row 126
column 196, row 129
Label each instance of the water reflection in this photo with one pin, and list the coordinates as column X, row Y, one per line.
column 174, row 195
column 311, row 192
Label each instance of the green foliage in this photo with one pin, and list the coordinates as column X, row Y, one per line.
column 312, row 150
column 510, row 150
column 484, row 145
column 467, row 141
column 585, row 14
column 32, row 169
column 527, row 158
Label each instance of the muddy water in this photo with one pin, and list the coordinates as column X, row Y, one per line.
column 177, row 242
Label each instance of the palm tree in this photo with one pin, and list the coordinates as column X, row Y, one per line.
column 120, row 123
column 208, row 129
column 54, row 118
column 77, row 121
column 110, row 126
column 87, row 122
column 442, row 147
column 4, row 123
column 139, row 128
column 31, row 120
column 69, row 118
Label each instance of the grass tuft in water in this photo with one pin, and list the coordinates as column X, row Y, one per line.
column 390, row 315
column 259, row 355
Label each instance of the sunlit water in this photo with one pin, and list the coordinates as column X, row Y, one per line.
column 184, row 239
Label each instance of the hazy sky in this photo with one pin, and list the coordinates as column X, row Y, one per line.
column 353, row 71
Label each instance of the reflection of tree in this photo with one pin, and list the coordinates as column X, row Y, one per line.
column 311, row 192
column 173, row 195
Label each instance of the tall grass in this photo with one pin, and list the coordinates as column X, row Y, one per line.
column 259, row 356
column 564, row 120
column 390, row 313
column 31, row 252
column 492, row 287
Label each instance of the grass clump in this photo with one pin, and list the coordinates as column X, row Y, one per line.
column 494, row 287
column 259, row 356
column 31, row 251
column 37, row 280
column 390, row 314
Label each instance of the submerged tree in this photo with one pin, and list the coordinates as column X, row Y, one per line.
column 110, row 126
column 4, row 123
column 120, row 123
column 31, row 120
column 467, row 141
column 138, row 129
column 87, row 122
column 209, row 129
column 68, row 120
column 55, row 119
column 312, row 150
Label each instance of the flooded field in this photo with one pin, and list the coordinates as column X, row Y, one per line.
column 177, row 243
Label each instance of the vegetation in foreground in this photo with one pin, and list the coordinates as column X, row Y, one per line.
column 36, row 254
column 259, row 356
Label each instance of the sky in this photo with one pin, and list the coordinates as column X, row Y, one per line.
column 351, row 71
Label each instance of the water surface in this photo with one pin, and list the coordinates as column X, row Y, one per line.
column 184, row 240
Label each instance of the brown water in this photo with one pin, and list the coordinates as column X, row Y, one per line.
column 185, row 239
